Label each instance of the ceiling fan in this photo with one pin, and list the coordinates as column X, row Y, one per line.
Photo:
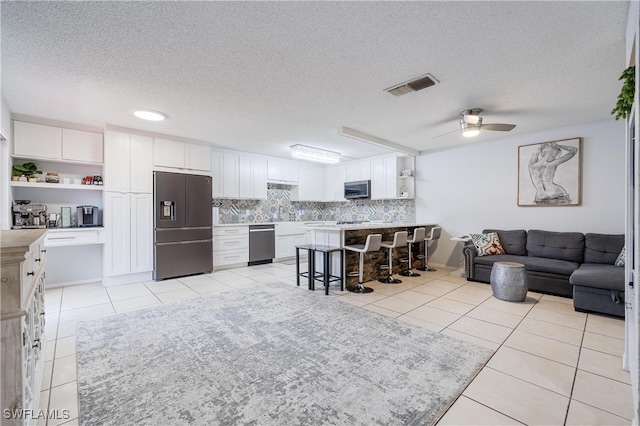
column 471, row 123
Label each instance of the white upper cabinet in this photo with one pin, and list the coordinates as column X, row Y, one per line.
column 55, row 143
column 311, row 181
column 230, row 178
column 78, row 145
column 239, row 176
column 282, row 171
column 181, row 155
column 358, row 170
column 128, row 162
column 335, row 177
column 197, row 157
column 37, row 140
column 252, row 178
column 387, row 181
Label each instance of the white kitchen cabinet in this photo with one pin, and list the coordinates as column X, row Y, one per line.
column 37, row 141
column 23, row 332
column 288, row 235
column 282, row 172
column 217, row 165
column 55, row 143
column 181, row 155
column 85, row 147
column 310, row 184
column 358, row 170
column 230, row 245
column 252, row 178
column 129, row 233
column 230, row 178
column 197, row 157
column 168, row 153
column 387, row 181
column 335, row 177
column 128, row 162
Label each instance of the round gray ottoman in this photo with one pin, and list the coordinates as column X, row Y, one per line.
column 509, row 281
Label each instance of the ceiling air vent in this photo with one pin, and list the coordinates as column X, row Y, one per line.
column 412, row 85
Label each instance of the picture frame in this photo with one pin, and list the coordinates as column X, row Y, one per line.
column 550, row 173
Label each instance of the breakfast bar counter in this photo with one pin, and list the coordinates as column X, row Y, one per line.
column 343, row 234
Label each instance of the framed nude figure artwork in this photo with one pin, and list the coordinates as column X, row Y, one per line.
column 549, row 173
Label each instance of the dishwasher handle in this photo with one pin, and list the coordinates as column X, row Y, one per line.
column 262, row 230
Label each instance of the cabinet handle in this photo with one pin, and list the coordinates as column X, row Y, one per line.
column 31, row 273
column 37, row 260
column 231, row 257
column 231, row 243
column 43, row 250
column 36, row 344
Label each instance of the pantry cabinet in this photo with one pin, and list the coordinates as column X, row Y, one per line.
column 128, row 162
column 40, row 141
column 23, row 333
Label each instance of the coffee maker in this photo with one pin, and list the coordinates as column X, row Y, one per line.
column 29, row 216
column 87, row 216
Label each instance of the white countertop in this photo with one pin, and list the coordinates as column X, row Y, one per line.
column 364, row 225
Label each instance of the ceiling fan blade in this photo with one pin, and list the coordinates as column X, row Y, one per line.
column 445, row 134
column 500, row 127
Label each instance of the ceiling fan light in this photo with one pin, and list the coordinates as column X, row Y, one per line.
column 469, row 130
column 304, row 152
column 471, row 119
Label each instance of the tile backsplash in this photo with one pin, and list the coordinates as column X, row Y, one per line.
column 278, row 207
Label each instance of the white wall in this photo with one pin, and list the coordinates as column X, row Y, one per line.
column 5, row 165
column 468, row 189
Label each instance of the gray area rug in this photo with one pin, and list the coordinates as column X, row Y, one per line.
column 273, row 355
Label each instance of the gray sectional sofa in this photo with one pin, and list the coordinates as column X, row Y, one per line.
column 569, row 264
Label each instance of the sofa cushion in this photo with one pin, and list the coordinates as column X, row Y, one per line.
column 602, row 248
column 620, row 259
column 598, row 275
column 533, row 264
column 513, row 241
column 487, row 244
column 567, row 246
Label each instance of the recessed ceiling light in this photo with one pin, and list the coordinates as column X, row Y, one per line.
column 150, row 115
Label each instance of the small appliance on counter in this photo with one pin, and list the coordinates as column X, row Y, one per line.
column 29, row 216
column 87, row 216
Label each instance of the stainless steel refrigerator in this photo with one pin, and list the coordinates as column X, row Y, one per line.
column 182, row 242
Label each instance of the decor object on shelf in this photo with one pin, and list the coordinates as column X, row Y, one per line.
column 388, row 371
column 52, row 177
column 627, row 92
column 549, row 173
column 304, row 152
column 29, row 170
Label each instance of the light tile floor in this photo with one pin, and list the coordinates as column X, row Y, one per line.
column 551, row 365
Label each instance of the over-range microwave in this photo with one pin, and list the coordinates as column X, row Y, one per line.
column 357, row 189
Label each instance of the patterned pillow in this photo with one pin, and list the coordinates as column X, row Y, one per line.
column 487, row 244
column 620, row 260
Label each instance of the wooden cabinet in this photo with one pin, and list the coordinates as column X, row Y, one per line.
column 22, row 309
column 230, row 246
column 55, row 143
column 128, row 162
column 181, row 155
column 282, row 171
column 311, row 182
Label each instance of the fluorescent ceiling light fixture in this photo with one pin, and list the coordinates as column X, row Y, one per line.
column 310, row 153
column 150, row 115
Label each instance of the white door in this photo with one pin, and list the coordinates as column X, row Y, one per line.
column 117, row 223
column 116, row 161
column 141, row 233
column 141, row 167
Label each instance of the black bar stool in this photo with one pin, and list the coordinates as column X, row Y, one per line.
column 326, row 276
column 309, row 274
column 418, row 236
column 372, row 243
column 399, row 240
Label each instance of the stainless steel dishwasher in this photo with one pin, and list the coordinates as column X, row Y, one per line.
column 262, row 244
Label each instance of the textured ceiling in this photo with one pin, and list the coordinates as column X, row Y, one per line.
column 261, row 76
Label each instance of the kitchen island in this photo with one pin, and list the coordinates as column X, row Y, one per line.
column 341, row 235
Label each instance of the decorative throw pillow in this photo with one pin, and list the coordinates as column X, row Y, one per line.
column 620, row 260
column 487, row 244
